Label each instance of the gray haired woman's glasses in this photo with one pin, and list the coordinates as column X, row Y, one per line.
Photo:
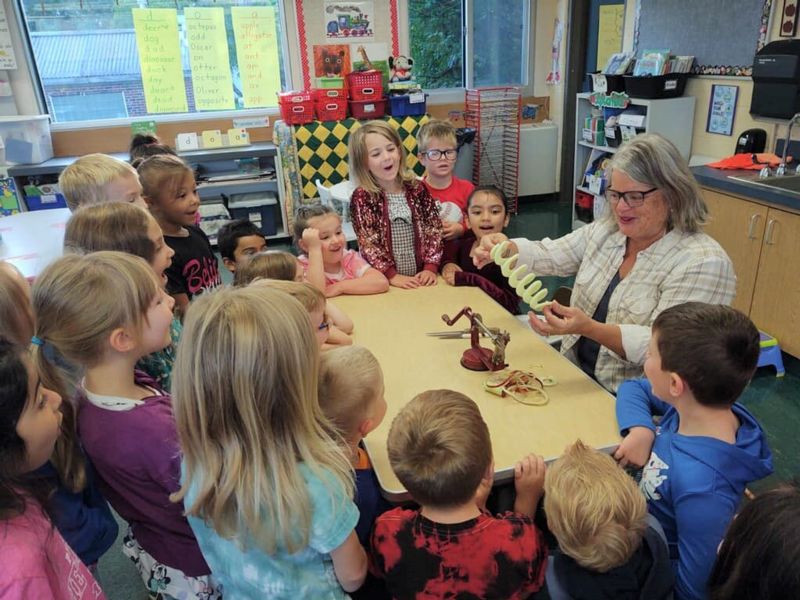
column 632, row 199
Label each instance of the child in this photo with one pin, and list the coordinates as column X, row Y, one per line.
column 440, row 450
column 272, row 264
column 266, row 488
column 144, row 146
column 171, row 195
column 326, row 325
column 707, row 447
column 759, row 556
column 237, row 241
column 351, row 396
column 104, row 311
column 97, row 178
column 329, row 265
column 76, row 506
column 37, row 563
column 609, row 546
column 127, row 228
column 486, row 212
column 437, row 151
column 394, row 217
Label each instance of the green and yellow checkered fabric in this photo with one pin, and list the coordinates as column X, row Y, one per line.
column 322, row 149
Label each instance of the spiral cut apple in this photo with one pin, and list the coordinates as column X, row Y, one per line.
column 524, row 283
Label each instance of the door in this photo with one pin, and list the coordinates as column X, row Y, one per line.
column 606, row 23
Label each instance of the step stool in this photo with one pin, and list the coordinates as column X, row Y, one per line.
column 771, row 354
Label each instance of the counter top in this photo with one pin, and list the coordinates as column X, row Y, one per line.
column 719, row 179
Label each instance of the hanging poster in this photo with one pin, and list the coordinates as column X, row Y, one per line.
column 331, row 60
column 209, row 59
column 160, row 59
column 349, row 20
column 722, row 109
column 609, row 32
column 554, row 76
column 257, row 54
column 371, row 56
column 7, row 58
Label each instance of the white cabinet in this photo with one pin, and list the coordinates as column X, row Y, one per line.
column 672, row 117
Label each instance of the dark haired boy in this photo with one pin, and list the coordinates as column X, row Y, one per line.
column 440, row 450
column 239, row 240
column 707, row 447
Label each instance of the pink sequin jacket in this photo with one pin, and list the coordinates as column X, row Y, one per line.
column 370, row 215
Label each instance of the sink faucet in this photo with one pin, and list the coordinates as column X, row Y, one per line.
column 782, row 167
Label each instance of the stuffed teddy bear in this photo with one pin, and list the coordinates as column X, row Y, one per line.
column 400, row 68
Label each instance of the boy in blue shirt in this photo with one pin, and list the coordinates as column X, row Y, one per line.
column 706, row 447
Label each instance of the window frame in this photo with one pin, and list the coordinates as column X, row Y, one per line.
column 31, row 69
column 456, row 94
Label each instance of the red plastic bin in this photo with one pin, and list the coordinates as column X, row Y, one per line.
column 368, row 109
column 297, row 113
column 365, row 85
column 331, row 109
column 324, row 94
column 295, row 96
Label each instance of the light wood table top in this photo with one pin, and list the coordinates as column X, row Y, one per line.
column 393, row 327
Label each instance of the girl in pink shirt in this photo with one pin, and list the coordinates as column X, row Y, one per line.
column 36, row 561
column 329, row 265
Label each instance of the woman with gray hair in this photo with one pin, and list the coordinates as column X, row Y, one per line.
column 645, row 254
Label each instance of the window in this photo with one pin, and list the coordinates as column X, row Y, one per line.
column 496, row 33
column 100, row 59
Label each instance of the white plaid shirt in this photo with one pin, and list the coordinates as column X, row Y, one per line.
column 680, row 267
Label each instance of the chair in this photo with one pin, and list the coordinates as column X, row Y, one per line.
column 771, row 354
column 327, row 199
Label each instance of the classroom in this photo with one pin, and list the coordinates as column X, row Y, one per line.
column 399, row 299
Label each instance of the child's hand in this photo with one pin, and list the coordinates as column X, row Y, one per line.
column 480, row 255
column 426, row 277
column 485, row 488
column 404, row 281
column 529, row 483
column 311, row 239
column 636, row 447
column 451, row 231
column 333, row 290
column 449, row 272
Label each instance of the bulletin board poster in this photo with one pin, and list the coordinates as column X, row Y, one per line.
column 7, row 58
column 208, row 55
column 348, row 20
column 257, row 54
column 331, row 60
column 160, row 59
column 609, row 32
column 722, row 109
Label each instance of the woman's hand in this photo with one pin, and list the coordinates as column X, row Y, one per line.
column 480, row 255
column 426, row 277
column 560, row 320
column 404, row 281
column 449, row 272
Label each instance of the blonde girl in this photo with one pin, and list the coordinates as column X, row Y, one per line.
column 271, row 264
column 37, row 563
column 131, row 229
column 170, row 192
column 267, row 489
column 79, row 511
column 103, row 312
column 396, row 221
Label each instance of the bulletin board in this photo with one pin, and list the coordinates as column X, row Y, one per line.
column 722, row 35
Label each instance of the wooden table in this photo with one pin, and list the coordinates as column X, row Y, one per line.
column 31, row 240
column 393, row 327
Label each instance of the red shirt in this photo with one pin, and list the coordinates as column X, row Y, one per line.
column 487, row 557
column 457, row 192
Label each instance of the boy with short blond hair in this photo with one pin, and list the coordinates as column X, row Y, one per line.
column 609, row 546
column 97, row 178
column 707, row 447
column 437, row 150
column 440, row 450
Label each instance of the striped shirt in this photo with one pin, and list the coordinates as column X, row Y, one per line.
column 678, row 268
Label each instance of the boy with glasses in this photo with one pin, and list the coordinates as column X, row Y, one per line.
column 437, row 151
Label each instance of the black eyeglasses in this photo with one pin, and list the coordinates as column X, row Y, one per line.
column 632, row 199
column 437, row 154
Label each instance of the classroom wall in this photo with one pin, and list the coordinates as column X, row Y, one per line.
column 712, row 145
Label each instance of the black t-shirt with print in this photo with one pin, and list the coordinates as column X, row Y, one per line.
column 194, row 267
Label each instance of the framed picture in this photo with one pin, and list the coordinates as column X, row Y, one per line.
column 722, row 109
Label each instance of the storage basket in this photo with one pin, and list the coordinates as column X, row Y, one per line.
column 331, row 109
column 321, row 94
column 365, row 85
column 297, row 113
column 408, row 105
column 368, row 109
column 657, row 86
